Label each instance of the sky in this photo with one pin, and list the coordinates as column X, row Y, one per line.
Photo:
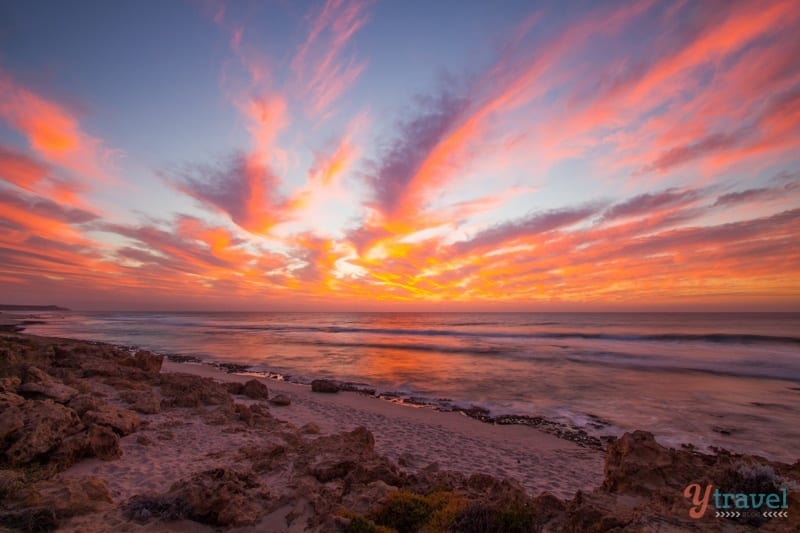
column 421, row 156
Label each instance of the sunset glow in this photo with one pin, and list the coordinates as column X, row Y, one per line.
column 348, row 155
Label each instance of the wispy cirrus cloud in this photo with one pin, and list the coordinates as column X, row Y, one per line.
column 322, row 70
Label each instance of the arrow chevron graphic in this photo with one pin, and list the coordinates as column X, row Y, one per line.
column 728, row 514
column 776, row 514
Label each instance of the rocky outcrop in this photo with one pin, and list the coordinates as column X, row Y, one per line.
column 9, row 384
column 96, row 441
column 185, row 390
column 324, row 385
column 144, row 360
column 39, row 385
column 58, row 392
column 233, row 387
column 283, row 477
column 255, row 389
column 637, row 464
column 218, row 497
column 43, row 506
column 45, row 425
column 147, row 401
column 10, row 399
column 122, row 421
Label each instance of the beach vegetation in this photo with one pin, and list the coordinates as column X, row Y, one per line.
column 404, row 511
column 514, row 516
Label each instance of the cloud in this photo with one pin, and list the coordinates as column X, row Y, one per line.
column 52, row 131
column 238, row 187
column 417, row 139
column 43, row 207
column 694, row 150
column 749, row 196
column 649, row 202
column 534, row 224
column 323, row 74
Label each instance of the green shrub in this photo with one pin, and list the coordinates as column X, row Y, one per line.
column 491, row 517
column 405, row 511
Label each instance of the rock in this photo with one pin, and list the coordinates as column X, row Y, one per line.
column 46, row 424
column 96, row 441
column 310, row 428
column 123, row 421
column 9, row 399
column 71, row 497
column 30, row 519
column 144, row 440
column 147, row 402
column 33, row 374
column 53, row 390
column 38, row 384
column 254, row 415
column 324, row 385
column 12, row 421
column 368, row 500
column 409, row 460
column 84, row 402
column 145, row 360
column 350, row 456
column 221, row 497
column 233, row 387
column 185, row 390
column 255, row 389
column 280, row 400
column 9, row 384
column 637, row 464
column 10, row 483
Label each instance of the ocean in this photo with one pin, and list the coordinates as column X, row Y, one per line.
column 730, row 380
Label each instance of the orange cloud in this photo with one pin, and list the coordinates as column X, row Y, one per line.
column 52, row 131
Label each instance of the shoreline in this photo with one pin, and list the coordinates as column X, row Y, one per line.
column 420, row 436
column 559, row 430
column 97, row 437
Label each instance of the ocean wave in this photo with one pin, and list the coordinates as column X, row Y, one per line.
column 717, row 338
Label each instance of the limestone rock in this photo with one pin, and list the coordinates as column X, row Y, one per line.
column 96, row 441
column 9, row 384
column 33, row 374
column 233, row 387
column 123, row 421
column 145, row 360
column 637, row 464
column 147, row 402
column 84, row 402
column 46, row 424
column 324, row 385
column 185, row 390
column 53, row 390
column 221, row 497
column 280, row 400
column 9, row 399
column 13, row 419
column 255, row 389
column 70, row 497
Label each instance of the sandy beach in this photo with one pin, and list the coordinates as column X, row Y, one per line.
column 420, row 437
column 97, row 437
